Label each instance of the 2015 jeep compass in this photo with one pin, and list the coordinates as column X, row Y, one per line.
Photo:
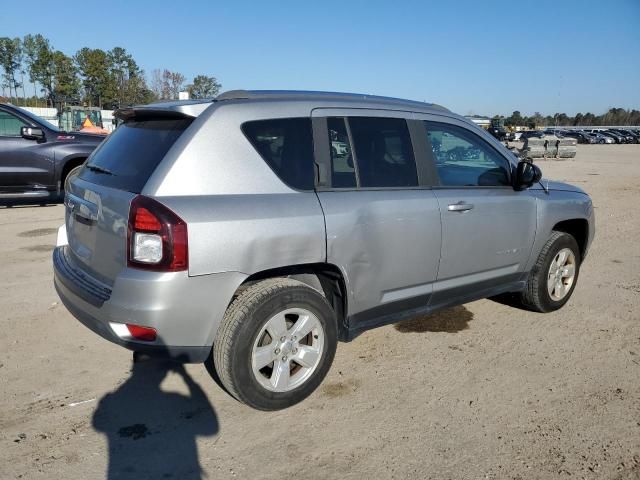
column 236, row 228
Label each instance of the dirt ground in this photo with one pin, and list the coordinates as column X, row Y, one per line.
column 474, row 392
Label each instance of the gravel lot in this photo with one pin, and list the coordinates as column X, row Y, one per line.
column 477, row 391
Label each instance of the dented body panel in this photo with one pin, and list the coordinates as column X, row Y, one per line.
column 251, row 233
column 387, row 244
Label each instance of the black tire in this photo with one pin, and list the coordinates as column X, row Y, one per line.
column 536, row 296
column 243, row 322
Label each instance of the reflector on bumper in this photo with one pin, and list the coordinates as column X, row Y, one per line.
column 128, row 331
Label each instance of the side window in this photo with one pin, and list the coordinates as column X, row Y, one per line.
column 383, row 151
column 287, row 146
column 10, row 125
column 343, row 173
column 464, row 159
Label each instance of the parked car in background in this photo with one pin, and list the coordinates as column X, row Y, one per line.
column 230, row 229
column 581, row 137
column 623, row 137
column 634, row 134
column 616, row 136
column 531, row 133
column 36, row 157
column 600, row 132
column 627, row 134
column 555, row 132
column 599, row 138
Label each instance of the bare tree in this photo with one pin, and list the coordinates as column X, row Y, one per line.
column 174, row 83
column 156, row 83
column 11, row 61
column 166, row 84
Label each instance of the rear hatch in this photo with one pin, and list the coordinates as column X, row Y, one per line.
column 97, row 201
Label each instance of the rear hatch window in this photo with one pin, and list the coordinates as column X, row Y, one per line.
column 128, row 157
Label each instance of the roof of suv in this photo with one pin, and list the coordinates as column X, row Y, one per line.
column 323, row 96
column 196, row 106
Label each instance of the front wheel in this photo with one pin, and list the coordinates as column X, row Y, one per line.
column 276, row 343
column 555, row 274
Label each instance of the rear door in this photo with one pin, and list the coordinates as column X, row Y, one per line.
column 24, row 164
column 488, row 228
column 382, row 218
column 99, row 198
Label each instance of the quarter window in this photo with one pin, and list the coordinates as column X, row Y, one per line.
column 287, row 146
column 383, row 152
column 343, row 173
column 464, row 159
column 10, row 125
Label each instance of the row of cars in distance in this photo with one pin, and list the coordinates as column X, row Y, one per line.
column 611, row 135
column 588, row 135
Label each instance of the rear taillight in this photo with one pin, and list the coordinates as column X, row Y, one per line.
column 157, row 237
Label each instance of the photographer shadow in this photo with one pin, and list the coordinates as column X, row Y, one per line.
column 152, row 433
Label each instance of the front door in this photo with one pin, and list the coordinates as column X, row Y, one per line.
column 24, row 164
column 488, row 228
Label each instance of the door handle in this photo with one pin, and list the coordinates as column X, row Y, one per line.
column 460, row 207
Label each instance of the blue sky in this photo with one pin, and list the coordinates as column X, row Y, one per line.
column 481, row 57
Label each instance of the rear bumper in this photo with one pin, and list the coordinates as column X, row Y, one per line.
column 185, row 311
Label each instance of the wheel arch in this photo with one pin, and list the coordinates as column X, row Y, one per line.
column 578, row 228
column 327, row 278
column 69, row 164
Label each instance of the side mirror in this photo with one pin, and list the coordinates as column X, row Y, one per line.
column 526, row 175
column 32, row 133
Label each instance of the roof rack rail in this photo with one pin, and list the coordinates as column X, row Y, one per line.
column 234, row 95
column 302, row 94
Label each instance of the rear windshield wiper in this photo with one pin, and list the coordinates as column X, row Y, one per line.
column 98, row 169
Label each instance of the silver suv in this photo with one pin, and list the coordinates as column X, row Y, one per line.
column 258, row 229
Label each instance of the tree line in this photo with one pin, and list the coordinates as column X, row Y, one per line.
column 108, row 79
column 614, row 116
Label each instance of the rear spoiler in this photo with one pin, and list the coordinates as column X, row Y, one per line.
column 175, row 109
column 141, row 113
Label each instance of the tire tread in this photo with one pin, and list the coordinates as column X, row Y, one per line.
column 241, row 308
column 530, row 297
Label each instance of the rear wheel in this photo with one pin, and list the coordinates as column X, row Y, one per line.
column 276, row 343
column 554, row 276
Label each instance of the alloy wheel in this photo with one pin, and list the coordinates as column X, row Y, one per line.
column 287, row 350
column 562, row 272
